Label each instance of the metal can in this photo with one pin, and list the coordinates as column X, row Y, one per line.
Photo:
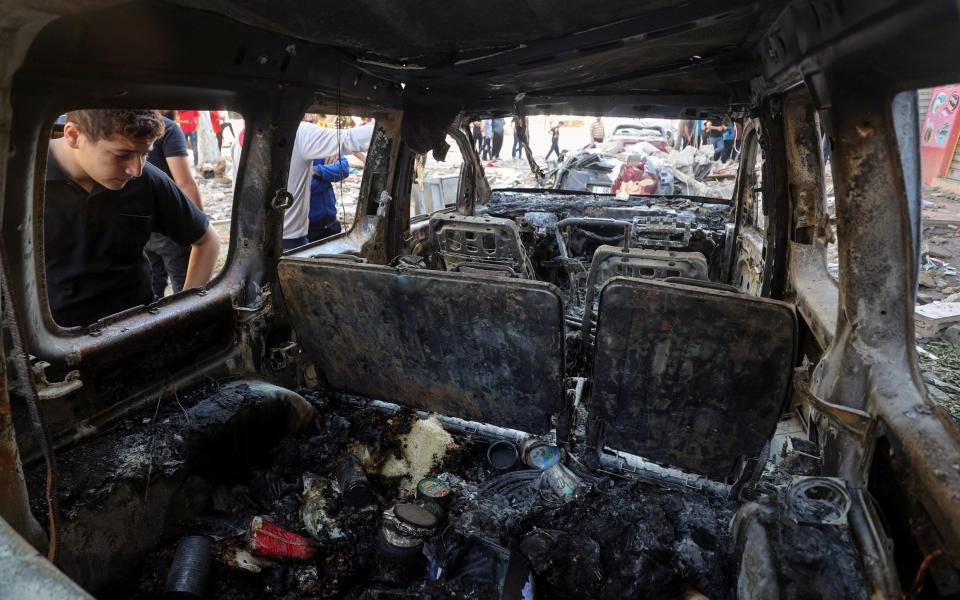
column 190, row 572
column 354, row 485
column 435, row 490
column 538, row 454
column 403, row 529
column 269, row 540
column 558, row 484
column 502, row 455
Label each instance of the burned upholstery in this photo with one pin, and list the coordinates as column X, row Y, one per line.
column 690, row 377
column 479, row 347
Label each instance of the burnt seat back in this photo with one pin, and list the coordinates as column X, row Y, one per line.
column 689, row 377
column 478, row 347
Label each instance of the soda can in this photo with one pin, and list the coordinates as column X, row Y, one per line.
column 272, row 541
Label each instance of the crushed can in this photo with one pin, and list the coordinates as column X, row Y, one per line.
column 354, row 485
column 269, row 540
column 558, row 484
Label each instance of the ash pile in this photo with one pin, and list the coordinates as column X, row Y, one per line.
column 364, row 503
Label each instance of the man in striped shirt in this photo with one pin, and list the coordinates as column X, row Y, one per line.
column 597, row 132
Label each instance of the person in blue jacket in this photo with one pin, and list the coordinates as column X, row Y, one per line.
column 323, row 199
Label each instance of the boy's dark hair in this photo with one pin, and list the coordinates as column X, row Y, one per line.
column 100, row 124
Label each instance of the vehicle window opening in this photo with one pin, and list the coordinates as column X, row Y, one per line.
column 129, row 195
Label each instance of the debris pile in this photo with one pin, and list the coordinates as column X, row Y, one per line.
column 334, row 515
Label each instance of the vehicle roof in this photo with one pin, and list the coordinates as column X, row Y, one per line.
column 617, row 57
column 675, row 58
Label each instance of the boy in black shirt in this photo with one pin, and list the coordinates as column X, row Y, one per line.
column 102, row 203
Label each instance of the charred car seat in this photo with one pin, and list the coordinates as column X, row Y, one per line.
column 482, row 348
column 480, row 244
column 615, row 261
column 689, row 377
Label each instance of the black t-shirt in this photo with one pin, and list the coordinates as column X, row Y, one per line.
column 93, row 243
column 172, row 143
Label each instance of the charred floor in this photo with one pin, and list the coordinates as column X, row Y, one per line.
column 362, row 500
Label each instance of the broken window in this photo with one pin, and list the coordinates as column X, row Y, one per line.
column 436, row 181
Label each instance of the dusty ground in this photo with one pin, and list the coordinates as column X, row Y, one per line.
column 939, row 280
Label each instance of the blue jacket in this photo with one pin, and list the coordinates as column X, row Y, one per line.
column 323, row 200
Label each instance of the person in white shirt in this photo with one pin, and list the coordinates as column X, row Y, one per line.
column 313, row 142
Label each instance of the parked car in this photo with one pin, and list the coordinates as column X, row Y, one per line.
column 630, row 134
column 531, row 393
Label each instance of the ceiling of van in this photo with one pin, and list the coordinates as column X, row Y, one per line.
column 680, row 54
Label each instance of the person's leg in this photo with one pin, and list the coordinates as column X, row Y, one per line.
column 497, row 145
column 727, row 152
column 192, row 140
column 158, row 273
column 220, row 140
column 320, row 232
column 176, row 259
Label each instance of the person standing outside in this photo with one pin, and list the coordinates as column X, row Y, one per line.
column 477, row 133
column 101, row 202
column 554, row 140
column 314, row 142
column 728, row 136
column 517, row 150
column 597, row 132
column 486, row 149
column 187, row 120
column 713, row 134
column 168, row 258
column 497, row 138
column 323, row 198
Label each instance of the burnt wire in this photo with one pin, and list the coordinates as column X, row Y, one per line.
column 28, row 389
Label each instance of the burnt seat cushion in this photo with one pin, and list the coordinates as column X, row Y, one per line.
column 478, row 347
column 690, row 377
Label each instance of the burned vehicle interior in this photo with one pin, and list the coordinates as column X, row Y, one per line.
column 535, row 392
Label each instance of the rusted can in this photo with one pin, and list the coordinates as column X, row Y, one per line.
column 354, row 485
column 538, row 454
column 272, row 541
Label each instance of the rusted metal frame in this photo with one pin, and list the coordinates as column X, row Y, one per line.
column 14, row 499
column 744, row 178
column 775, row 204
column 872, row 365
column 467, row 184
column 805, row 167
column 809, row 282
